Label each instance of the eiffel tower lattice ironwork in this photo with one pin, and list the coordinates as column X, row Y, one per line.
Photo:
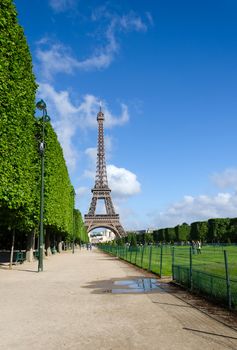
column 102, row 191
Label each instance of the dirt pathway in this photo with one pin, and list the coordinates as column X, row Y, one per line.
column 70, row 306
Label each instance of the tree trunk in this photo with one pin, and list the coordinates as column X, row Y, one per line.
column 47, row 243
column 12, row 249
column 30, row 246
column 59, row 244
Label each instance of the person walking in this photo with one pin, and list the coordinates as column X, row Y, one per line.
column 199, row 246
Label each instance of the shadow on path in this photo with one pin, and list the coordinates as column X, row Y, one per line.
column 209, row 333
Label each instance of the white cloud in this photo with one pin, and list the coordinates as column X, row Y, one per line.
column 56, row 58
column 62, row 5
column 81, row 191
column 122, row 182
column 68, row 117
column 192, row 209
column 228, row 178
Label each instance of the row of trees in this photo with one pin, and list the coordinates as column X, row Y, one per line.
column 20, row 135
column 223, row 230
column 211, row 231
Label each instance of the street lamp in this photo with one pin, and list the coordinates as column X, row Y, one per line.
column 41, row 105
column 73, row 222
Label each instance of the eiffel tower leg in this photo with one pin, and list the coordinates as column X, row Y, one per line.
column 109, row 206
column 93, row 206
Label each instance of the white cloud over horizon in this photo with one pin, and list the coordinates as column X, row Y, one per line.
column 202, row 207
column 227, row 178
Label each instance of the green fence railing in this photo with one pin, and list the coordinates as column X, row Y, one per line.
column 211, row 272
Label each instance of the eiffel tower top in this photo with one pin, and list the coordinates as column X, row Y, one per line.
column 101, row 181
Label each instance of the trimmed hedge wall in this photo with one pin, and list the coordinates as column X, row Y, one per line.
column 20, row 134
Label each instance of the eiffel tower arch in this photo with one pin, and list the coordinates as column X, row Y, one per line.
column 101, row 191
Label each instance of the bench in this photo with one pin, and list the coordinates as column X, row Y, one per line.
column 20, row 258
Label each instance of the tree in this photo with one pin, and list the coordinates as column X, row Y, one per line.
column 170, row 234
column 218, row 230
column 199, row 230
column 182, row 232
column 80, row 232
column 17, row 104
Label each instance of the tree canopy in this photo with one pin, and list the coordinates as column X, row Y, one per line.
column 20, row 135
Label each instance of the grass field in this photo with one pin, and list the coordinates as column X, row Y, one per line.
column 211, row 259
column 208, row 273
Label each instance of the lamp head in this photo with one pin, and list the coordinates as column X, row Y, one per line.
column 41, row 105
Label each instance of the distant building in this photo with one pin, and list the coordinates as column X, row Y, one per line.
column 140, row 232
column 101, row 236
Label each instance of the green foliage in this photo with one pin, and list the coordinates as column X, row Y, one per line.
column 199, row 230
column 182, row 232
column 141, row 238
column 159, row 235
column 133, row 240
column 17, row 98
column 120, row 241
column 170, row 234
column 218, row 230
column 232, row 234
column 59, row 193
column 148, row 238
column 80, row 233
column 20, row 135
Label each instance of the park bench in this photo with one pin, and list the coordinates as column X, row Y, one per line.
column 20, row 257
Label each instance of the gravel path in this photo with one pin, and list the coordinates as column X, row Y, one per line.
column 70, row 306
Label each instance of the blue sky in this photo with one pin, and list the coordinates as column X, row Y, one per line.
column 166, row 73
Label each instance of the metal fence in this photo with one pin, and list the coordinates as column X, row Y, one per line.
column 211, row 272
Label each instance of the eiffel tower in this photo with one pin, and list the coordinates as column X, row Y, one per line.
column 102, row 191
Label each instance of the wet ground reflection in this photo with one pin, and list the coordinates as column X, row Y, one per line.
column 141, row 285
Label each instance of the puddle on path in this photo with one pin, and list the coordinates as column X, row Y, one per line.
column 141, row 285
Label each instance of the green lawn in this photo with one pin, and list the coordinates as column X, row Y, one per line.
column 211, row 259
column 208, row 268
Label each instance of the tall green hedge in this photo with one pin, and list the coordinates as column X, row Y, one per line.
column 59, row 193
column 80, row 233
column 17, row 104
column 20, row 134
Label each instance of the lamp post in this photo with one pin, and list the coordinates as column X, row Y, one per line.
column 41, row 105
column 73, row 222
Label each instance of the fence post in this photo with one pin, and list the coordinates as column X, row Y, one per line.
column 131, row 253
column 227, row 280
column 173, row 263
column 191, row 268
column 161, row 260
column 136, row 255
column 150, row 257
column 143, row 247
